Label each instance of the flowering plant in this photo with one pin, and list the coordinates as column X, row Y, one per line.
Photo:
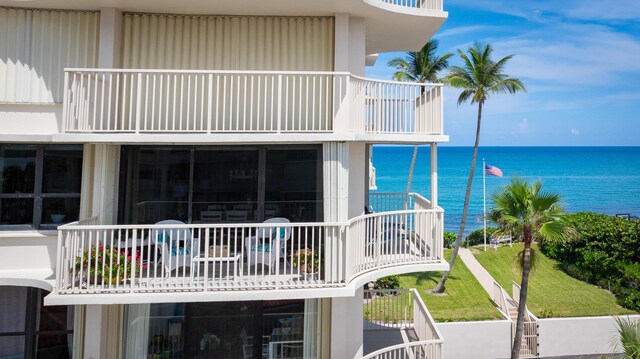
column 109, row 264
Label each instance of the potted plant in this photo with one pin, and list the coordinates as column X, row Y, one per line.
column 108, row 265
column 309, row 261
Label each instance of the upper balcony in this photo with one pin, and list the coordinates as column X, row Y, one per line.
column 135, row 105
column 226, row 261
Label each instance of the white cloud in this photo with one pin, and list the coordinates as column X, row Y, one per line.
column 465, row 30
column 575, row 131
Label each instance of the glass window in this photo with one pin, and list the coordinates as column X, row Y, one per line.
column 39, row 185
column 28, row 329
column 225, row 185
column 206, row 184
column 221, row 329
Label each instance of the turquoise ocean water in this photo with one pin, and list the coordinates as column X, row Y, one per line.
column 597, row 179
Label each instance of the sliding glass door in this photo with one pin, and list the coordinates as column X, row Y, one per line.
column 256, row 329
column 218, row 184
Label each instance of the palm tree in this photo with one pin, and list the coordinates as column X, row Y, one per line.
column 526, row 211
column 629, row 336
column 423, row 67
column 478, row 78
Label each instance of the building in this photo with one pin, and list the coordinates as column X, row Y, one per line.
column 244, row 127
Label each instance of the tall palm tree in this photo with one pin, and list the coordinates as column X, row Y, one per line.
column 478, row 78
column 525, row 210
column 423, row 67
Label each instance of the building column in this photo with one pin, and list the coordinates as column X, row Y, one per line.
column 434, row 175
column 102, row 331
column 347, row 326
column 110, row 42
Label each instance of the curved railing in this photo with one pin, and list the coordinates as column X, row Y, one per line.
column 218, row 102
column 201, row 257
column 416, row 5
column 419, row 349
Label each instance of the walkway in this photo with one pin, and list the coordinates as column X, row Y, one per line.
column 478, row 271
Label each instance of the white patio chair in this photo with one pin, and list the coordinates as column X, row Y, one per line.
column 260, row 248
column 177, row 245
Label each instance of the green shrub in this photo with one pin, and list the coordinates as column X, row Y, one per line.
column 477, row 237
column 390, row 282
column 605, row 251
column 449, row 239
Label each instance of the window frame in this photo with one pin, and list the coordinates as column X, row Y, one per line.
column 37, row 195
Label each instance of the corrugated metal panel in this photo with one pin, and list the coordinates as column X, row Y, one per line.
column 154, row 41
column 35, row 47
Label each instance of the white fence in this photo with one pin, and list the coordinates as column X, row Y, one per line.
column 200, row 257
column 191, row 101
column 530, row 334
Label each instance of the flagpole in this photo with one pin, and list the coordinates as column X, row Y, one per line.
column 484, row 203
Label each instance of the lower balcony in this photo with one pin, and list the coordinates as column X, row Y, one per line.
column 268, row 257
column 397, row 324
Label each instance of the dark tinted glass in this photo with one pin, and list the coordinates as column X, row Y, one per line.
column 54, row 317
column 12, row 347
column 225, row 183
column 13, row 304
column 17, row 168
column 57, row 346
column 62, row 169
column 157, row 184
column 294, row 185
column 60, row 210
column 16, row 211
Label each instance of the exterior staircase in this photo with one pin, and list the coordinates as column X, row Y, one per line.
column 509, row 307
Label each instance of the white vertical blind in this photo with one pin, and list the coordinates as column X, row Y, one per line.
column 35, row 47
column 153, row 41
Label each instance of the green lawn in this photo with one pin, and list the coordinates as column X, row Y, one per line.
column 465, row 300
column 552, row 293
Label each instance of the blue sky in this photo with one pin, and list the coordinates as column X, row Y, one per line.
column 580, row 61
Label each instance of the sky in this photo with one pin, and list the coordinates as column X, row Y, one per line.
column 579, row 59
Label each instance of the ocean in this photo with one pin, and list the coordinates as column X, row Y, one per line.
column 596, row 179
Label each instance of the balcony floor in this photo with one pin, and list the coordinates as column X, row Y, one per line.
column 386, row 337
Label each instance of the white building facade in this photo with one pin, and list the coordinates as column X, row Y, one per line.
column 191, row 179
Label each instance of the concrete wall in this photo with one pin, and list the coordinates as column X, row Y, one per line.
column 576, row 336
column 478, row 340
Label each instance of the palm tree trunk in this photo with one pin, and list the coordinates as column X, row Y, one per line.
column 524, row 288
column 410, row 178
column 456, row 247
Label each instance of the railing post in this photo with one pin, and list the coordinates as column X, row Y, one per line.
column 66, row 97
column 210, row 103
column 279, row 111
column 61, row 271
column 134, row 258
column 138, row 102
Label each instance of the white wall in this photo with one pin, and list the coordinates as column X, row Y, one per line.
column 478, row 340
column 30, row 119
column 576, row 336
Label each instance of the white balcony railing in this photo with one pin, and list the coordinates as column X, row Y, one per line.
column 415, row 4
column 402, row 309
column 202, row 257
column 190, row 101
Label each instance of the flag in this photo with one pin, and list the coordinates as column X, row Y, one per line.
column 492, row 170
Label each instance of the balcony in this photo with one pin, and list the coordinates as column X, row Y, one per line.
column 231, row 103
column 414, row 5
column 397, row 324
column 214, row 258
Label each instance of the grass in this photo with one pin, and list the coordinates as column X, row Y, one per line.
column 552, row 292
column 466, row 300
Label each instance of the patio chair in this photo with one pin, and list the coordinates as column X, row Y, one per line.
column 236, row 216
column 177, row 245
column 260, row 248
